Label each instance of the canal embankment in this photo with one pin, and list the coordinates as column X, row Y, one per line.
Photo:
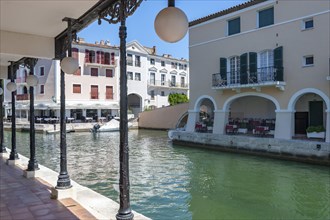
column 99, row 206
column 297, row 150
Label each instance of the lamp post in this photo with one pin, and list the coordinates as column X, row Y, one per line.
column 2, row 146
column 32, row 81
column 68, row 65
column 11, row 86
column 118, row 12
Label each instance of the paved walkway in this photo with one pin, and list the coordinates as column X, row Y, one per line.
column 22, row 198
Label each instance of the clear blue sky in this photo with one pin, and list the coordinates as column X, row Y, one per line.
column 140, row 26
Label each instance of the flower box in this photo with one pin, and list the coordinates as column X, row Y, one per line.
column 316, row 134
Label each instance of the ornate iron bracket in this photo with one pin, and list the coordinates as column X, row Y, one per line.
column 64, row 43
column 114, row 11
column 30, row 63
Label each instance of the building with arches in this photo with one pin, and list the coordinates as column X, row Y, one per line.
column 92, row 92
column 261, row 65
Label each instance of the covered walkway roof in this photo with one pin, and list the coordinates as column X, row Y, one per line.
column 30, row 28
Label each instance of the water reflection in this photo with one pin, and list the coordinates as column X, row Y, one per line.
column 175, row 182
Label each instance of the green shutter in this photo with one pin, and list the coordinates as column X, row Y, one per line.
column 223, row 68
column 253, row 67
column 278, row 63
column 243, row 68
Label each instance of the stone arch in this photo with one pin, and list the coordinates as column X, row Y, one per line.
column 226, row 105
column 200, row 100
column 134, row 103
column 297, row 95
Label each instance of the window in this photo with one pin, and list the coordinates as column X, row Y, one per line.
column 173, row 79
column 92, row 56
column 75, row 53
column 108, row 73
column 41, row 71
column 309, row 60
column 94, row 92
column 185, row 67
column 152, row 94
column 130, row 75
column 129, row 59
column 107, row 58
column 234, row 66
column 137, row 61
column 109, row 92
column 76, row 88
column 162, row 93
column 152, row 61
column 162, row 79
column 152, row 79
column 234, row 26
column 308, row 24
column 42, row 89
column 266, row 17
column 94, row 71
column 183, row 84
column 174, row 65
column 162, row 63
column 180, row 66
column 113, row 62
column 78, row 72
column 266, row 59
column 138, row 76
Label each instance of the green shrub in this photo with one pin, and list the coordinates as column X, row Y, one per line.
column 318, row 128
column 177, row 98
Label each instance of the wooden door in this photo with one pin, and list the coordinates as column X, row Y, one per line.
column 301, row 122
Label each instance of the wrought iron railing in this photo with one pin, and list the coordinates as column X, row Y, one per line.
column 168, row 83
column 22, row 97
column 236, row 78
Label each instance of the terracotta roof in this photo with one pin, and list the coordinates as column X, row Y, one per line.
column 225, row 12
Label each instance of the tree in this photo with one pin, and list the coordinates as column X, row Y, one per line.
column 177, row 98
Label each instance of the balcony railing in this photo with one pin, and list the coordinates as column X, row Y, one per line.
column 21, row 80
column 159, row 83
column 235, row 79
column 22, row 97
column 107, row 63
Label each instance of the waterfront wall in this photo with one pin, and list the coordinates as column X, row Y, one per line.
column 163, row 118
column 298, row 150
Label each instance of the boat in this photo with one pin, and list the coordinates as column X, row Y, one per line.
column 112, row 125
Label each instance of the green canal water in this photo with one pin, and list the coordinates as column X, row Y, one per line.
column 175, row 182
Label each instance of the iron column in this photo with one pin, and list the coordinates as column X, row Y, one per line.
column 2, row 146
column 13, row 153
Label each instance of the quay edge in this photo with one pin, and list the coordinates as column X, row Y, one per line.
column 313, row 152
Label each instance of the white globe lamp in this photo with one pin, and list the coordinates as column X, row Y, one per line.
column 11, row 86
column 1, row 91
column 32, row 80
column 171, row 24
column 69, row 65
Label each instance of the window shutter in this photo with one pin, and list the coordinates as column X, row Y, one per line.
column 223, row 69
column 75, row 52
column 112, row 58
column 98, row 54
column 253, row 67
column 243, row 68
column 87, row 56
column 109, row 92
column 102, row 57
column 278, row 63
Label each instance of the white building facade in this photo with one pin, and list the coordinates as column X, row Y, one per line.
column 92, row 92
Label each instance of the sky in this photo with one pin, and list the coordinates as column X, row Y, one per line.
column 140, row 25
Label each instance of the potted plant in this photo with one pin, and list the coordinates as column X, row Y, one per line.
column 315, row 131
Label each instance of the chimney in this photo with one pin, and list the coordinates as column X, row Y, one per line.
column 102, row 42
column 154, row 50
column 107, row 42
column 81, row 40
column 96, row 42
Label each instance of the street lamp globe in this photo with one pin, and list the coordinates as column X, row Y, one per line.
column 32, row 80
column 69, row 65
column 1, row 91
column 171, row 24
column 11, row 86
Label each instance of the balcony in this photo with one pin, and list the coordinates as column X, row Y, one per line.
column 167, row 84
column 266, row 76
column 111, row 63
column 22, row 97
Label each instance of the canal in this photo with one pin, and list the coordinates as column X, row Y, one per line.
column 176, row 182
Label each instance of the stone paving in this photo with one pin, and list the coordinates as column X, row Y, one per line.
column 22, row 198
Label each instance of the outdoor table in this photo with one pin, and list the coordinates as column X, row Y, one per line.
column 70, row 119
